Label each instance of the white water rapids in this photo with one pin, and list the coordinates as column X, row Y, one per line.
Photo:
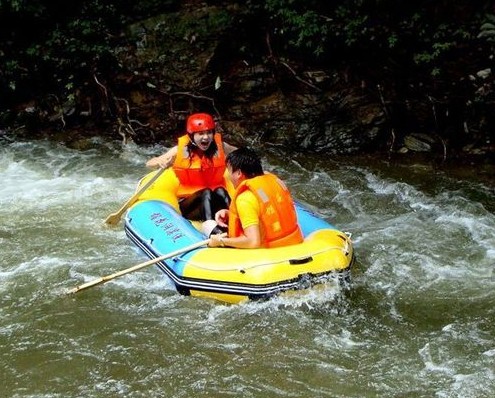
column 417, row 322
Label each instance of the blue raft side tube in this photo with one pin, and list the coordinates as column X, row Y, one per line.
column 310, row 221
column 161, row 230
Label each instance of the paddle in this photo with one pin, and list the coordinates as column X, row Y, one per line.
column 114, row 218
column 104, row 279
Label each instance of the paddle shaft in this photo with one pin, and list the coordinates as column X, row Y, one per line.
column 114, row 218
column 136, row 267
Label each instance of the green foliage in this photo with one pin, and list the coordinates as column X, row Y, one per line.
column 70, row 42
column 421, row 35
column 67, row 41
column 301, row 25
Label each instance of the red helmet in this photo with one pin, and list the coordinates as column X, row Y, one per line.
column 199, row 122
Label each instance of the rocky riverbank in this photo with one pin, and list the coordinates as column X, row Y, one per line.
column 201, row 58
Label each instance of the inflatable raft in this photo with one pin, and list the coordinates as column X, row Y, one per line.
column 235, row 275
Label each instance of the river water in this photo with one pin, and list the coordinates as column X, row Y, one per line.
column 418, row 321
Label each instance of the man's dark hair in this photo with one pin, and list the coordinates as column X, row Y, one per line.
column 246, row 160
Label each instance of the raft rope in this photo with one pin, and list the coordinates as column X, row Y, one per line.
column 243, row 269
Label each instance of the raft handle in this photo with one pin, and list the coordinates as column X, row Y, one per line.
column 346, row 240
column 297, row 261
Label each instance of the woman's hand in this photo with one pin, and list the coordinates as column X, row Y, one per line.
column 222, row 217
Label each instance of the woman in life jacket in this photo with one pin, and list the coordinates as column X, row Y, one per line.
column 198, row 161
column 262, row 212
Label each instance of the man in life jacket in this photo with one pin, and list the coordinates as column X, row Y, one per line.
column 262, row 212
column 198, row 161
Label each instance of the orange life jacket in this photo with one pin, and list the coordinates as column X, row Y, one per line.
column 198, row 172
column 278, row 218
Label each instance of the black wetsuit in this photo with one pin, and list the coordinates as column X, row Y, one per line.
column 203, row 204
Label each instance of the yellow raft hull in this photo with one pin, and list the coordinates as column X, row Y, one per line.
column 271, row 270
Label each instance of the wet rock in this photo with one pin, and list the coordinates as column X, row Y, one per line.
column 419, row 142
